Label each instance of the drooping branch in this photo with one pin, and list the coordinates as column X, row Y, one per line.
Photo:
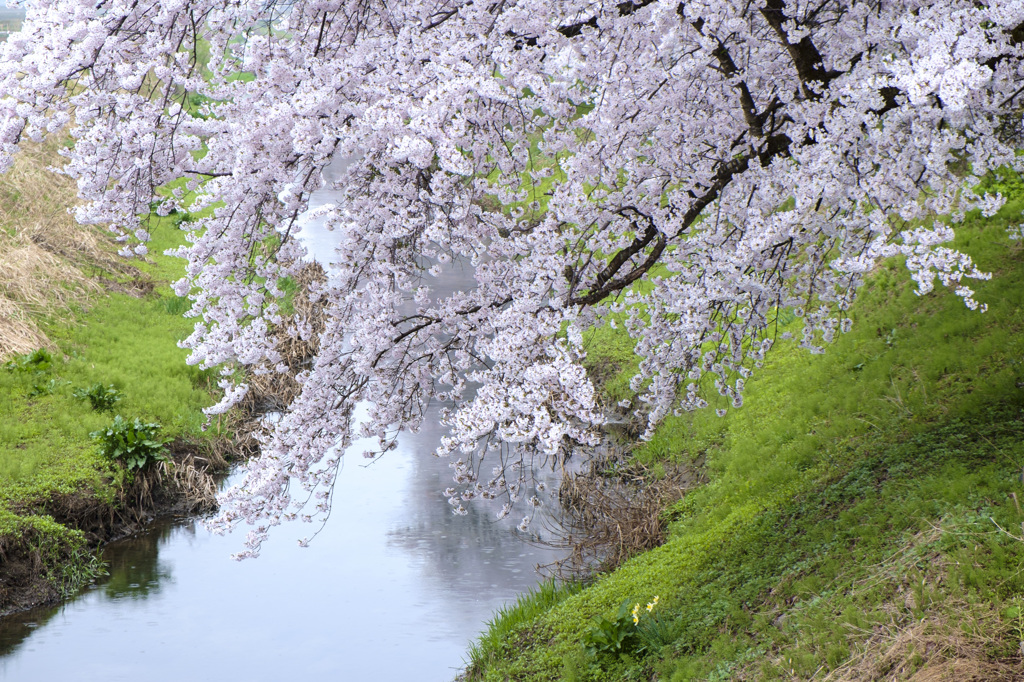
column 604, row 284
column 737, row 108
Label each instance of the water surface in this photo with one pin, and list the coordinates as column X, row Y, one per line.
column 392, row 589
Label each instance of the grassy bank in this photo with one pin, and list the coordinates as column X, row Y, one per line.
column 863, row 517
column 104, row 326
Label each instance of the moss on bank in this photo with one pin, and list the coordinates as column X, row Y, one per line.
column 863, row 518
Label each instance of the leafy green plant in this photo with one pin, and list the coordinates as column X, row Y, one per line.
column 38, row 360
column 633, row 629
column 135, row 444
column 612, row 635
column 102, row 398
column 45, row 388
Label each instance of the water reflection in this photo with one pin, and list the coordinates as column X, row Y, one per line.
column 394, row 588
column 135, row 569
column 17, row 627
column 134, row 572
column 477, row 549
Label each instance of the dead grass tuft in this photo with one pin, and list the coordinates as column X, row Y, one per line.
column 943, row 639
column 195, row 487
column 952, row 645
column 18, row 334
column 37, row 280
column 613, row 511
column 42, row 250
column 274, row 391
column 179, row 486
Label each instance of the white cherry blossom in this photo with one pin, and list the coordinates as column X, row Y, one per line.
column 692, row 167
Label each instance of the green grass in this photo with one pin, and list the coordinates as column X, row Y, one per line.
column 512, row 617
column 121, row 340
column 857, row 492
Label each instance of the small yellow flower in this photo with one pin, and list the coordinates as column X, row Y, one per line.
column 652, row 604
column 636, row 614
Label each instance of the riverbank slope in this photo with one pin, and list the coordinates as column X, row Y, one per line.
column 863, row 516
column 85, row 336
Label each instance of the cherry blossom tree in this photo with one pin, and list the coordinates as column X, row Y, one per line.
column 684, row 169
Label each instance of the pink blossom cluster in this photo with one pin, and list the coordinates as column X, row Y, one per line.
column 689, row 168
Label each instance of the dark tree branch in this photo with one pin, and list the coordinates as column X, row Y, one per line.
column 809, row 65
column 606, row 283
column 763, row 125
column 730, row 70
column 576, row 28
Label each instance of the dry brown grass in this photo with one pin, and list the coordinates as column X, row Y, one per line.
column 42, row 250
column 952, row 644
column 182, row 484
column 952, row 640
column 608, row 514
column 945, row 640
column 18, row 334
column 194, row 485
column 275, row 391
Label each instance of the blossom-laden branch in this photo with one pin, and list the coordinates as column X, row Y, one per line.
column 734, row 158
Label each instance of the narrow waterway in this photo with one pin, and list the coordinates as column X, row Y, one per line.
column 394, row 588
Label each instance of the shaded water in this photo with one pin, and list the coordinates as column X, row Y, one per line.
column 394, row 588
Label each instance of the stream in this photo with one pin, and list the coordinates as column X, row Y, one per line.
column 394, row 588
